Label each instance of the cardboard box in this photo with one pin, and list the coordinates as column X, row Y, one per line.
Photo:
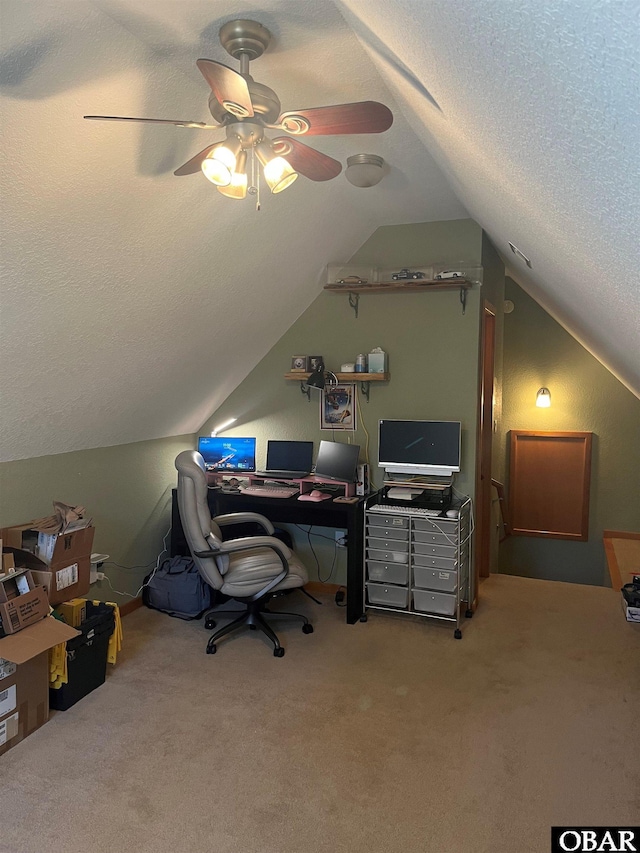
column 73, row 612
column 631, row 614
column 22, row 602
column 24, row 679
column 66, row 575
column 21, row 536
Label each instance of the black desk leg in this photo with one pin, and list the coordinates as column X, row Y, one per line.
column 355, row 559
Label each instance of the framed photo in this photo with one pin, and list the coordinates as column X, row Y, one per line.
column 338, row 407
column 315, row 361
column 300, row 363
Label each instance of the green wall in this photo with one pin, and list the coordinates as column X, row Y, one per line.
column 584, row 397
column 125, row 489
column 433, row 361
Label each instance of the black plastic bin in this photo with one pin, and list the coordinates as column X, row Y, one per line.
column 86, row 657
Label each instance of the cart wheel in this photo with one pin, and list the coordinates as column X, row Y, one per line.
column 364, row 617
column 468, row 613
column 209, row 624
column 307, row 628
column 211, row 650
column 278, row 653
column 457, row 634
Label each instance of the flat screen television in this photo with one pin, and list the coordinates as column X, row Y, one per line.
column 428, row 448
column 337, row 461
column 228, row 455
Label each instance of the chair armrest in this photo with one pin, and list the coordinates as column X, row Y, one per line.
column 247, row 543
column 242, row 517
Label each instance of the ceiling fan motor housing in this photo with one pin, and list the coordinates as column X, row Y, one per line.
column 244, row 37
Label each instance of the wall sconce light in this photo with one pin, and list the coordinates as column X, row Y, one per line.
column 543, row 398
column 222, row 426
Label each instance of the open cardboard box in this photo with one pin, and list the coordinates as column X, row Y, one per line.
column 22, row 603
column 65, row 564
column 24, row 678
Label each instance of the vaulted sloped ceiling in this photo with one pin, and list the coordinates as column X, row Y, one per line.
column 134, row 301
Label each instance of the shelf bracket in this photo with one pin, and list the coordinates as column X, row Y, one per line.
column 306, row 390
column 365, row 387
column 463, row 298
column 354, row 299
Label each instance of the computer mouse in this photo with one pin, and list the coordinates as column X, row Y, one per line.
column 452, row 513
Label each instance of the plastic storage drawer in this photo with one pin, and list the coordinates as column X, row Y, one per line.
column 439, row 603
column 446, row 563
column 435, row 538
column 438, row 579
column 439, row 525
column 387, row 556
column 395, row 521
column 388, row 572
column 391, row 544
column 387, row 533
column 390, row 596
column 434, row 550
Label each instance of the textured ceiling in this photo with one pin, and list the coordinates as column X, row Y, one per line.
column 134, row 301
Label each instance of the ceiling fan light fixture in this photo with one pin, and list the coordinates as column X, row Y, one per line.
column 364, row 170
column 237, row 188
column 277, row 171
column 220, row 163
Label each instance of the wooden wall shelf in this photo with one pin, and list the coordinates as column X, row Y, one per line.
column 422, row 286
column 344, row 377
column 363, row 378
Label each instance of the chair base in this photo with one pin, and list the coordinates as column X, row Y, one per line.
column 253, row 616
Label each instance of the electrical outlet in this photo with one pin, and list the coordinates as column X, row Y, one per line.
column 341, row 539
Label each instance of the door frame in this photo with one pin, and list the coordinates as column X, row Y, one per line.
column 484, row 446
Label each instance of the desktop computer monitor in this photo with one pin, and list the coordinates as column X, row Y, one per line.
column 337, row 461
column 419, row 447
column 228, row 455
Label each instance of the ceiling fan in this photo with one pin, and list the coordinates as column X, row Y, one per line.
column 246, row 109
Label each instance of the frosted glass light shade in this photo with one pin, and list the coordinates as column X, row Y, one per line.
column 364, row 170
column 543, row 398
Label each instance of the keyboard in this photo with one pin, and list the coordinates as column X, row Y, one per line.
column 283, row 475
column 404, row 510
column 270, row 491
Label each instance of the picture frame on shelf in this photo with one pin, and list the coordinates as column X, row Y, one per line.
column 300, row 364
column 314, row 362
column 338, row 407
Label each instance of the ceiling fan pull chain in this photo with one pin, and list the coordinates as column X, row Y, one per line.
column 254, row 189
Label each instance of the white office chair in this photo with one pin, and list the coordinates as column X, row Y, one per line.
column 251, row 569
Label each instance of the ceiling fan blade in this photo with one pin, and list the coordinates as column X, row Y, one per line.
column 229, row 87
column 192, row 166
column 361, row 117
column 176, row 122
column 307, row 161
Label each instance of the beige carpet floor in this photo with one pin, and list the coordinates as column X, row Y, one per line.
column 377, row 737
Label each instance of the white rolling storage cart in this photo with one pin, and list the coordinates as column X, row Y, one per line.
column 418, row 561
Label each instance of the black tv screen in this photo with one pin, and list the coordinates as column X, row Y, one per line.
column 337, row 461
column 228, row 455
column 419, row 447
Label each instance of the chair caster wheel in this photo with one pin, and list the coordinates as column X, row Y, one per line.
column 457, row 634
column 211, row 650
column 468, row 613
column 364, row 617
column 253, row 627
column 209, row 624
column 307, row 629
column 278, row 653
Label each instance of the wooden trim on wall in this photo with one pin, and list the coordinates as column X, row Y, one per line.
column 617, row 581
column 549, row 484
column 130, row 606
